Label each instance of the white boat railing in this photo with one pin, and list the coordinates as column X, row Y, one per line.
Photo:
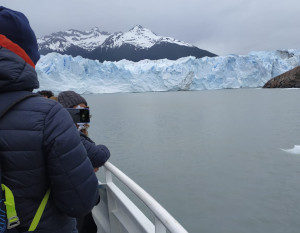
column 117, row 213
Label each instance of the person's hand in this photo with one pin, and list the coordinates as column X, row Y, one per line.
column 85, row 132
column 96, row 169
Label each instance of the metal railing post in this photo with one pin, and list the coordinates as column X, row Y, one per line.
column 110, row 203
column 108, row 176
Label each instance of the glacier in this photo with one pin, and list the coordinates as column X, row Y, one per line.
column 58, row 72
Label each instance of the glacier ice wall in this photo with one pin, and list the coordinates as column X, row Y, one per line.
column 62, row 72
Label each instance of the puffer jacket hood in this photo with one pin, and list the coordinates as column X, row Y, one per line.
column 15, row 73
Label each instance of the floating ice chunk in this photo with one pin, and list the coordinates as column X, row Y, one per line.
column 295, row 150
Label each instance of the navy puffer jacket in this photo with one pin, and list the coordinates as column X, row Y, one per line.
column 98, row 154
column 40, row 147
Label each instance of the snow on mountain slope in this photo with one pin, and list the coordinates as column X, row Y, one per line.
column 60, row 41
column 139, row 37
column 62, row 72
column 135, row 45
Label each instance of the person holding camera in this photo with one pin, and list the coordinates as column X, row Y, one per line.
column 78, row 108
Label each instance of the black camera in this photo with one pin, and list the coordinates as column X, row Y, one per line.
column 80, row 115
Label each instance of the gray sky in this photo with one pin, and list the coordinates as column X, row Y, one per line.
column 223, row 27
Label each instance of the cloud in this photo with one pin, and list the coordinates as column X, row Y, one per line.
column 231, row 26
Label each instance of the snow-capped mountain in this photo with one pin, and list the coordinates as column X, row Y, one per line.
column 141, row 38
column 63, row 72
column 61, row 41
column 137, row 44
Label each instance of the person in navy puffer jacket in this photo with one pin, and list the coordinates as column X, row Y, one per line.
column 40, row 145
column 98, row 154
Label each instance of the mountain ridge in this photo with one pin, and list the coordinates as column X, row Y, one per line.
column 136, row 44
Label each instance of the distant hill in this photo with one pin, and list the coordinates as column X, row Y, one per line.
column 137, row 44
column 289, row 79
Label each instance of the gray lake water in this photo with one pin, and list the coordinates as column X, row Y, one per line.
column 213, row 159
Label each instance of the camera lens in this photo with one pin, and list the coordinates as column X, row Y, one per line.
column 84, row 115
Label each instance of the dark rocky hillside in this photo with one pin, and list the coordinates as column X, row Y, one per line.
column 130, row 52
column 290, row 79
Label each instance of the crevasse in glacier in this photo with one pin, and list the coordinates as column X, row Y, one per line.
column 62, row 72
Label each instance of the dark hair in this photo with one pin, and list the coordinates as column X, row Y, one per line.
column 46, row 93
